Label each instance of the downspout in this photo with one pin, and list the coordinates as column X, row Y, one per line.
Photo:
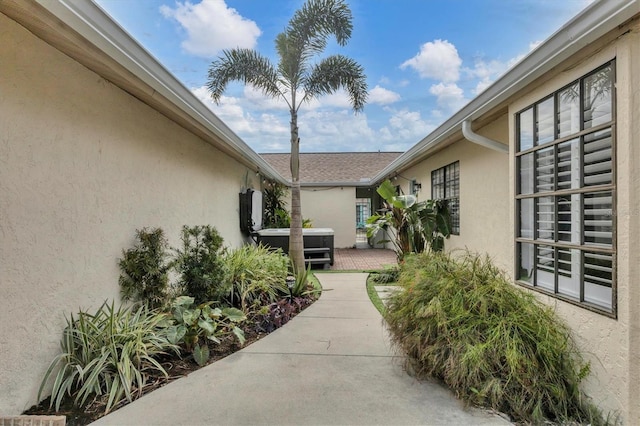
column 481, row 140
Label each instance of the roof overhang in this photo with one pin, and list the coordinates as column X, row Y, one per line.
column 84, row 32
column 362, row 184
column 594, row 22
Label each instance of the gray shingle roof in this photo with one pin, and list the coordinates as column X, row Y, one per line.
column 328, row 167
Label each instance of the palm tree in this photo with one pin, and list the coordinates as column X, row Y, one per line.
column 296, row 80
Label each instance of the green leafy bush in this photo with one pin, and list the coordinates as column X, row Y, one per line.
column 191, row 324
column 144, row 269
column 495, row 345
column 257, row 276
column 109, row 353
column 200, row 264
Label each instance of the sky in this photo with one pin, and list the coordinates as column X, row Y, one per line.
column 424, row 60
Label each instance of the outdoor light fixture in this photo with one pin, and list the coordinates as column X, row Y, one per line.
column 417, row 186
column 291, row 281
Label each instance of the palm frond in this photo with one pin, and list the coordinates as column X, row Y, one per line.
column 247, row 66
column 333, row 73
column 312, row 24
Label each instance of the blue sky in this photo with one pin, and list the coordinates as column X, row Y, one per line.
column 423, row 60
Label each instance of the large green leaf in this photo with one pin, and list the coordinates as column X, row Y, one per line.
column 176, row 333
column 233, row 314
column 201, row 354
column 239, row 334
column 207, row 326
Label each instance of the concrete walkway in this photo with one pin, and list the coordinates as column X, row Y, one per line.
column 331, row 365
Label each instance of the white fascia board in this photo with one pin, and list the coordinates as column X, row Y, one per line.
column 366, row 184
column 92, row 23
column 588, row 26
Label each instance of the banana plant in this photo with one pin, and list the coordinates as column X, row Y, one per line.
column 412, row 225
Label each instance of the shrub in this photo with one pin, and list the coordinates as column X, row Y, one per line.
column 256, row 276
column 144, row 269
column 495, row 345
column 108, row 353
column 200, row 265
column 192, row 323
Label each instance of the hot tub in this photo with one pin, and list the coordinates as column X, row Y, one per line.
column 317, row 242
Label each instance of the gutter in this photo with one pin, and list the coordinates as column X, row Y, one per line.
column 94, row 25
column 595, row 21
column 481, row 140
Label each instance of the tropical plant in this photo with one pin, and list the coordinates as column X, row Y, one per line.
column 414, row 226
column 297, row 79
column 283, row 220
column 459, row 319
column 200, row 265
column 300, row 283
column 110, row 353
column 256, row 275
column 144, row 269
column 191, row 324
column 274, row 194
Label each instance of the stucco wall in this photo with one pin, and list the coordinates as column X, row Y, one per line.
column 611, row 345
column 484, row 192
column 82, row 166
column 332, row 208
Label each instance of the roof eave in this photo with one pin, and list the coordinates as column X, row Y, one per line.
column 589, row 25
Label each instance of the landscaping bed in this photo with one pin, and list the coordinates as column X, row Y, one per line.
column 176, row 367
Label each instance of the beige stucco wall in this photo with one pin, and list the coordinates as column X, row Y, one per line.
column 484, row 192
column 611, row 345
column 332, row 208
column 82, row 166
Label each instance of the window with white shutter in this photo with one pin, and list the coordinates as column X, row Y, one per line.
column 565, row 193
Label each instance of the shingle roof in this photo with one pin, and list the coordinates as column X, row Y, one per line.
column 333, row 167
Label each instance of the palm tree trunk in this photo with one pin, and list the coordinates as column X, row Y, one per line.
column 296, row 245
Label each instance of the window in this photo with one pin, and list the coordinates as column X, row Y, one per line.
column 445, row 185
column 565, row 192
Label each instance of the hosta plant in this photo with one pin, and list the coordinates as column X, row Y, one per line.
column 110, row 354
column 192, row 325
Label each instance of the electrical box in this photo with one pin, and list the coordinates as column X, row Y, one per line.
column 250, row 211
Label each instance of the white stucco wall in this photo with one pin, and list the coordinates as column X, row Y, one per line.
column 332, row 208
column 484, row 193
column 611, row 345
column 82, row 166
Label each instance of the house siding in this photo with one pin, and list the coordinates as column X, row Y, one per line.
column 84, row 164
column 611, row 345
column 332, row 208
column 484, row 193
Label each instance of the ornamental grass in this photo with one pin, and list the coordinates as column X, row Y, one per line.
column 460, row 320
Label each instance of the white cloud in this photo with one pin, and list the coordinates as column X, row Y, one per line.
column 449, row 96
column 381, row 96
column 212, row 26
column 489, row 71
column 404, row 129
column 438, row 60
